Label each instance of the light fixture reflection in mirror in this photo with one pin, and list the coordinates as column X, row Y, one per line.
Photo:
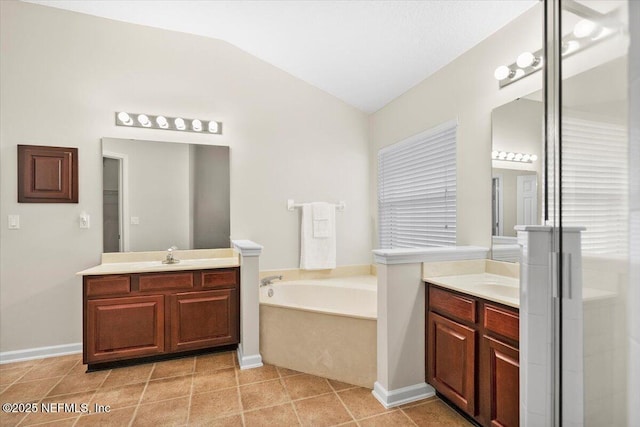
column 516, row 190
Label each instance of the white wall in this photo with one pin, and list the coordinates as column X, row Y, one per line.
column 62, row 77
column 464, row 89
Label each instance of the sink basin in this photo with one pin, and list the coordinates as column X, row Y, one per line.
column 503, row 291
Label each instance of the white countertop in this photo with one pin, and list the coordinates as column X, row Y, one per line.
column 493, row 287
column 149, row 262
column 501, row 289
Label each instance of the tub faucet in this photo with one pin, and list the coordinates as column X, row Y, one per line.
column 170, row 259
column 268, row 280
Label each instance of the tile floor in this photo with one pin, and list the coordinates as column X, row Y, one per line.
column 206, row 390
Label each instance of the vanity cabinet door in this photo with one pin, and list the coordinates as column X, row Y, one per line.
column 122, row 328
column 503, row 385
column 204, row 319
column 451, row 356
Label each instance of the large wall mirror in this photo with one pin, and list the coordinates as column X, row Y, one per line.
column 516, row 190
column 593, row 136
column 160, row 194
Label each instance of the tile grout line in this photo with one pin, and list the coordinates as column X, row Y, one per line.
column 95, row 392
column 16, row 381
column 193, row 374
column 236, row 371
column 135, row 412
column 345, row 407
column 48, row 391
column 407, row 416
column 286, row 390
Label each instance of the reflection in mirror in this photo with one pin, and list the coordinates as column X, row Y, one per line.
column 593, row 136
column 160, row 194
column 516, row 178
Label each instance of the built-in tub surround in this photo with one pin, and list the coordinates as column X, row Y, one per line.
column 135, row 262
column 341, row 271
column 323, row 327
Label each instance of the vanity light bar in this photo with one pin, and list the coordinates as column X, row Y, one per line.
column 168, row 123
column 508, row 156
column 586, row 33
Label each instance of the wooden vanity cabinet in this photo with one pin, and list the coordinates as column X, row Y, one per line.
column 128, row 316
column 472, row 355
column 204, row 319
column 451, row 347
column 125, row 327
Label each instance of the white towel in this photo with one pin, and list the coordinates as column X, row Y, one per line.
column 321, row 213
column 318, row 237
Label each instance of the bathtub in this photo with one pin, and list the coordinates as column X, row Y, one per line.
column 324, row 327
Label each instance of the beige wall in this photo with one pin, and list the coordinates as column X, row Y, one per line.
column 464, row 89
column 62, row 77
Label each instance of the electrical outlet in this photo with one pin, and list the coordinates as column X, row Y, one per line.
column 135, row 220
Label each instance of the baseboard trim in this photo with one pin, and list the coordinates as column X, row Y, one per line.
column 248, row 361
column 39, row 353
column 401, row 396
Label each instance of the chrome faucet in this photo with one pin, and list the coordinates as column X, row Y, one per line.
column 268, row 280
column 170, row 259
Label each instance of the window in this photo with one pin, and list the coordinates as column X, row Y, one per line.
column 417, row 190
column 595, row 183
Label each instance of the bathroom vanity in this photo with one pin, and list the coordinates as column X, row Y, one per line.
column 472, row 339
column 142, row 307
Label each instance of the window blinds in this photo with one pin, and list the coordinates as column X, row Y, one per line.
column 417, row 190
column 595, row 184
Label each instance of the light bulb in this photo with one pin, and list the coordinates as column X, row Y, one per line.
column 213, row 127
column 196, row 125
column 502, row 155
column 494, row 154
column 525, row 59
column 125, row 118
column 533, row 157
column 585, row 28
column 518, row 157
column 179, row 123
column 602, row 33
column 510, row 156
column 162, row 122
column 570, row 47
column 526, row 158
column 144, row 120
column 502, row 72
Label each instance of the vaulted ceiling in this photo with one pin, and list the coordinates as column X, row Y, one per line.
column 364, row 52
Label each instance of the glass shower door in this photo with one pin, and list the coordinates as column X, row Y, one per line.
column 589, row 175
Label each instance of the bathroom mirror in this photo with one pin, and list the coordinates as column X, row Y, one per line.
column 516, row 172
column 517, row 128
column 161, row 194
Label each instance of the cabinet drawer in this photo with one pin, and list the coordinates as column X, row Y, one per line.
column 162, row 281
column 452, row 304
column 220, row 278
column 502, row 321
column 108, row 285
